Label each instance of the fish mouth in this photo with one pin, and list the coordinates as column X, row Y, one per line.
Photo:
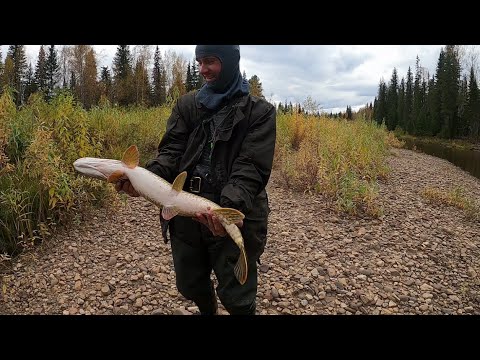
column 88, row 170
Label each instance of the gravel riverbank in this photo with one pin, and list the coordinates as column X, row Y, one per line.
column 419, row 258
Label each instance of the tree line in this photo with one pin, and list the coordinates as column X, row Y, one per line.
column 446, row 105
column 132, row 79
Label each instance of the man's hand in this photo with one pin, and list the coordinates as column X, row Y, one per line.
column 124, row 185
column 210, row 220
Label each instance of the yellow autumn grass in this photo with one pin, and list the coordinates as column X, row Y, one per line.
column 341, row 159
column 453, row 197
column 39, row 188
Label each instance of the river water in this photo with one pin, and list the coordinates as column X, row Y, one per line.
column 468, row 160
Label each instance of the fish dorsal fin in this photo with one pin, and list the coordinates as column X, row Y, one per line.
column 231, row 216
column 131, row 157
column 168, row 212
column 115, row 176
column 179, row 181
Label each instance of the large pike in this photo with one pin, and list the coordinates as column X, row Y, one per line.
column 169, row 197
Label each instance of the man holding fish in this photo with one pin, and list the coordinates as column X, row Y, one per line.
column 224, row 139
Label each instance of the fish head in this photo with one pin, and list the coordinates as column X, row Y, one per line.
column 97, row 168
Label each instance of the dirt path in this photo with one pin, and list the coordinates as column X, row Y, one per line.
column 418, row 259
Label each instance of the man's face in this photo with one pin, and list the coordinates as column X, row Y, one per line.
column 210, row 67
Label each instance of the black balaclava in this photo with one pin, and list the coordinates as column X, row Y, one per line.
column 229, row 83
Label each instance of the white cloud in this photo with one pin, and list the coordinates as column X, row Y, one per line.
column 333, row 75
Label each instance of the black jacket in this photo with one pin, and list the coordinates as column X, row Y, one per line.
column 242, row 152
column 242, row 157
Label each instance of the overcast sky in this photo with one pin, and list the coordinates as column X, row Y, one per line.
column 332, row 75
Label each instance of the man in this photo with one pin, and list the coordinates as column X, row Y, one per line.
column 225, row 139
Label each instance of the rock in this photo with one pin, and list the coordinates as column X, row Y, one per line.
column 264, row 268
column 181, row 311
column 361, row 231
column 426, row 287
column 78, row 285
column 331, row 271
column 112, row 261
column 121, row 310
column 454, row 298
column 275, row 293
column 105, row 290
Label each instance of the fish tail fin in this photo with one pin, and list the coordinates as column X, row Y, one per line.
column 241, row 268
column 131, row 157
column 228, row 218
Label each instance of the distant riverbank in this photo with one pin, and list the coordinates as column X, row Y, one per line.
column 461, row 153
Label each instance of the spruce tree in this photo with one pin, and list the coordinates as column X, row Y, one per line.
column 122, row 75
column 408, row 110
column 122, row 62
column 30, row 84
column 423, row 125
column 196, row 77
column 40, row 70
column 156, row 78
column 52, row 71
column 401, row 104
column 435, row 109
column 280, row 107
column 462, row 126
column 473, row 107
column 19, row 60
column 417, row 98
column 200, row 79
column 392, row 101
column 449, row 92
column 106, row 83
column 381, row 103
column 431, row 106
column 163, row 84
column 349, row 113
column 189, row 80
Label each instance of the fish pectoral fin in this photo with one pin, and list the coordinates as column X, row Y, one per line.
column 231, row 216
column 131, row 157
column 179, row 181
column 169, row 212
column 115, row 176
